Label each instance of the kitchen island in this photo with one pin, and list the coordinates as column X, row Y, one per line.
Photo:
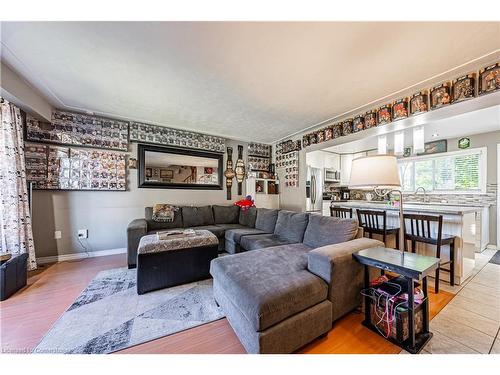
column 469, row 223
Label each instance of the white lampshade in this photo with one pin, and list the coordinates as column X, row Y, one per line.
column 377, row 171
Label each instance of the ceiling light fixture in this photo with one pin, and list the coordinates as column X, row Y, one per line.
column 418, row 139
column 399, row 142
column 382, row 144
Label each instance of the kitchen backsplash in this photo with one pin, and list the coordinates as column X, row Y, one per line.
column 489, row 198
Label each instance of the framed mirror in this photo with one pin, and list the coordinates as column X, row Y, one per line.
column 174, row 168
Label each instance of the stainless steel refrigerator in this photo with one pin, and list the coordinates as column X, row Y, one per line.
column 314, row 190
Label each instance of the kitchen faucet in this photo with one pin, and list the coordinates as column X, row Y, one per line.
column 425, row 193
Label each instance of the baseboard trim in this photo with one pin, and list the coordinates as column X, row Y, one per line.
column 78, row 256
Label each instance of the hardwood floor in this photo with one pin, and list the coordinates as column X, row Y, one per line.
column 28, row 315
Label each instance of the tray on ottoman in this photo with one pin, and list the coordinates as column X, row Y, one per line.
column 172, row 260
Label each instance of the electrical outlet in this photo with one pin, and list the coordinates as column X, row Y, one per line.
column 83, row 233
column 57, row 235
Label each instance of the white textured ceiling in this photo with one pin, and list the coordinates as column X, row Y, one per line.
column 242, row 80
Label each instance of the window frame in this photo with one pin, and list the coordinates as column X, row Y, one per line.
column 483, row 167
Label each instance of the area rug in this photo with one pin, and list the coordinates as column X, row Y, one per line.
column 109, row 315
column 496, row 258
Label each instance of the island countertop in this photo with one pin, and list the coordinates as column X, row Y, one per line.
column 446, row 209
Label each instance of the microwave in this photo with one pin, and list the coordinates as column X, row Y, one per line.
column 331, row 175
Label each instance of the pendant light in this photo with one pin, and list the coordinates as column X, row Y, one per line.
column 399, row 143
column 418, row 139
column 382, row 144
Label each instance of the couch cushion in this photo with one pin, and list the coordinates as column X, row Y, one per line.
column 326, row 230
column 270, row 285
column 156, row 226
column 226, row 214
column 235, row 235
column 291, row 225
column 247, row 217
column 197, row 216
column 262, row 241
column 266, row 219
column 231, row 226
column 215, row 229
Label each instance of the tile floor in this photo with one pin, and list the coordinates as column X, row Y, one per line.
column 470, row 323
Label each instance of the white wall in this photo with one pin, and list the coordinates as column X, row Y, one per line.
column 16, row 90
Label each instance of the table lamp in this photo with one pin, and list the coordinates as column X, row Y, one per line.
column 381, row 174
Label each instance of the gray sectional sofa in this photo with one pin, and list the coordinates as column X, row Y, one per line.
column 294, row 285
column 216, row 219
column 291, row 274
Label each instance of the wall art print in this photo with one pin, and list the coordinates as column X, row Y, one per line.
column 68, row 168
column 145, row 133
column 67, row 128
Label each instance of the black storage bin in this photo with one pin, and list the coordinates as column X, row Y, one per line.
column 399, row 329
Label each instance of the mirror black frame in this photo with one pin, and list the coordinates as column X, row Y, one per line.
column 141, row 171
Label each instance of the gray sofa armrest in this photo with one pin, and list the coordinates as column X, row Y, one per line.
column 135, row 230
column 344, row 275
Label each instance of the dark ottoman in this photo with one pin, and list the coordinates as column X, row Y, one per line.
column 179, row 259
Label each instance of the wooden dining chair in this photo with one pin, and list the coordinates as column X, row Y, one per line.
column 344, row 213
column 375, row 222
column 418, row 228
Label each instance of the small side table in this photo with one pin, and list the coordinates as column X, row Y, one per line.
column 412, row 267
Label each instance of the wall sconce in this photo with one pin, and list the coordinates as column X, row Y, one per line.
column 382, row 144
column 399, row 143
column 418, row 139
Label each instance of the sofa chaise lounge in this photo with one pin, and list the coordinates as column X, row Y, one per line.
column 280, row 297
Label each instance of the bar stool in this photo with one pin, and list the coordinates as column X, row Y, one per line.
column 344, row 213
column 420, row 231
column 369, row 221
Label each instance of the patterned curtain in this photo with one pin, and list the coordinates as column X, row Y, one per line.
column 16, row 235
